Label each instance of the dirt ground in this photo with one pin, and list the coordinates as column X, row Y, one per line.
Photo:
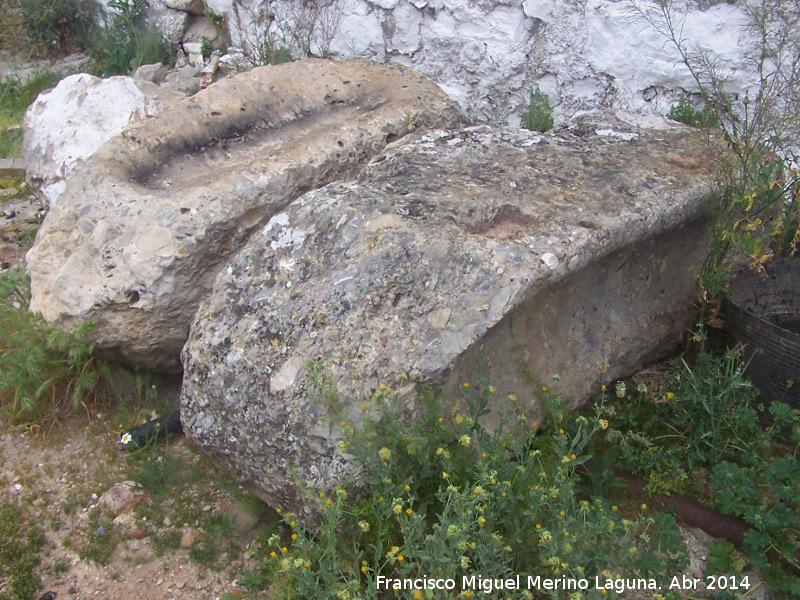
column 59, row 481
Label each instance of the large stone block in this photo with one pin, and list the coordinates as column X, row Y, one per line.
column 146, row 223
column 540, row 254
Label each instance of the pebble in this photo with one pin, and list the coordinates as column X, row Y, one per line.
column 189, row 537
column 137, row 533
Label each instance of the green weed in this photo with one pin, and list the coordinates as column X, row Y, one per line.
column 43, row 370
column 206, row 48
column 127, row 41
column 217, row 20
column 754, row 143
column 19, row 553
column 157, row 472
column 260, row 42
column 222, row 524
column 251, row 580
column 322, row 387
column 165, row 539
column 99, row 539
column 204, row 550
column 685, row 113
column 709, row 436
column 539, row 114
column 58, row 28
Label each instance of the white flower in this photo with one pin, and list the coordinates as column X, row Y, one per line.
column 126, row 438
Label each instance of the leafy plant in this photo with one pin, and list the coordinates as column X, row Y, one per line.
column 223, row 524
column 42, row 369
column 708, row 439
column 251, row 580
column 685, row 113
column 539, row 114
column 447, row 497
column 206, row 48
column 58, row 28
column 708, row 416
column 722, row 558
column 127, row 41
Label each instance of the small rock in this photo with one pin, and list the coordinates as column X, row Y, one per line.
column 206, row 80
column 122, row 497
column 137, row 533
column 189, row 537
column 153, row 73
column 550, row 259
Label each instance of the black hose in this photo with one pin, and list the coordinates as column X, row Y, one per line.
column 152, row 431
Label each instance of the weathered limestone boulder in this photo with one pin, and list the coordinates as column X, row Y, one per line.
column 171, row 23
column 142, row 229
column 565, row 254
column 68, row 123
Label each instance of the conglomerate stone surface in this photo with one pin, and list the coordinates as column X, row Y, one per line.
column 145, row 223
column 452, row 249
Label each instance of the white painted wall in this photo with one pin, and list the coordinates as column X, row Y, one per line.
column 488, row 53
